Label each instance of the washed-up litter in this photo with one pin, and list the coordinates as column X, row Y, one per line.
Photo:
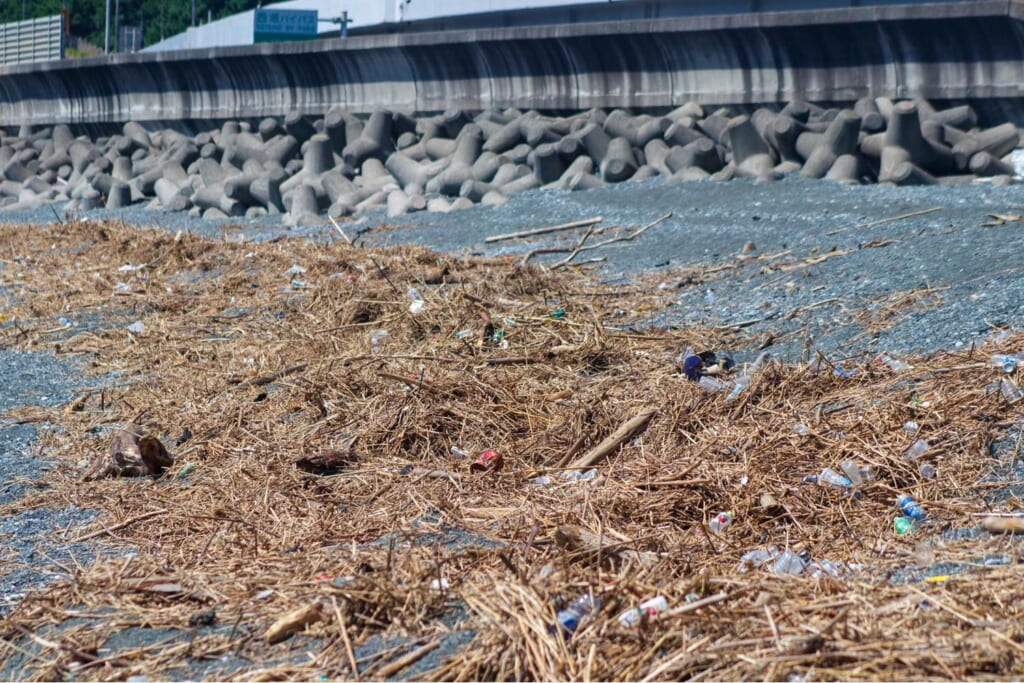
column 337, row 511
column 647, row 608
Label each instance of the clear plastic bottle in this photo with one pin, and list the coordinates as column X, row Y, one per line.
column 910, row 507
column 831, row 477
column 720, row 521
column 576, row 611
column 801, row 429
column 377, row 338
column 1009, row 389
column 416, row 302
column 927, row 470
column 852, row 472
column 632, row 617
column 459, row 453
column 710, row 384
column 894, row 364
column 1007, row 362
column 464, row 334
column 911, row 427
column 757, row 558
column 739, row 386
column 788, row 562
column 578, row 475
column 917, row 449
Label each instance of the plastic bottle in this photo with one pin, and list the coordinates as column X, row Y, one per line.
column 831, row 477
column 894, row 364
column 459, row 453
column 377, row 338
column 917, row 449
column 843, row 373
column 910, row 507
column 720, row 521
column 710, row 384
column 464, row 334
column 416, row 302
column 757, row 558
column 1009, row 389
column 739, row 385
column 852, row 472
column 576, row 611
column 911, row 427
column 927, row 470
column 578, row 475
column 1006, row 362
column 801, row 429
column 902, row 525
column 632, row 617
column 788, row 562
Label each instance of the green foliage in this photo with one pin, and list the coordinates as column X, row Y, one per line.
column 159, row 18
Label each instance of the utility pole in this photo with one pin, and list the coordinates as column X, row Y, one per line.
column 193, row 13
column 106, row 30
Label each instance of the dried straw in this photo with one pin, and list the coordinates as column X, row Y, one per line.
column 308, row 444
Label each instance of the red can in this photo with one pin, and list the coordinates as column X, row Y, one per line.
column 487, row 461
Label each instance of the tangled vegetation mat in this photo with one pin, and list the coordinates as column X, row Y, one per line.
column 321, row 516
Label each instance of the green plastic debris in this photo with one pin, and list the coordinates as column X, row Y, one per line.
column 903, row 525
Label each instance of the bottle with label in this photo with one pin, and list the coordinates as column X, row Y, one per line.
column 831, row 477
column 1007, row 362
column 910, row 507
column 576, row 611
column 720, row 521
column 632, row 617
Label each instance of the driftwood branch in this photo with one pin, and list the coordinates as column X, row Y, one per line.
column 580, row 248
column 274, row 376
column 625, row 432
column 293, row 622
column 586, row 222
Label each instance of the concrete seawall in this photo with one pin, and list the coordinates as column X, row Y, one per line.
column 970, row 52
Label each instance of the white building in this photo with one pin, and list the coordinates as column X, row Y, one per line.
column 363, row 15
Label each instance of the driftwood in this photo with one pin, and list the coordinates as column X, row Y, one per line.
column 132, row 455
column 1003, row 525
column 586, row 222
column 577, row 539
column 293, row 622
column 627, row 431
column 580, row 248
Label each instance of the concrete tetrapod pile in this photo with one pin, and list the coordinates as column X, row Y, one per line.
column 342, row 164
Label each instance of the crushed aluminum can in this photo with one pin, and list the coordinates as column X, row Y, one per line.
column 487, row 461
